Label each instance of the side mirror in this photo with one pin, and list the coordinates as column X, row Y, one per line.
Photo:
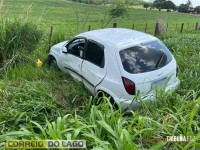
column 64, row 49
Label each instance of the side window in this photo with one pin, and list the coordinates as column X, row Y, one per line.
column 76, row 47
column 95, row 53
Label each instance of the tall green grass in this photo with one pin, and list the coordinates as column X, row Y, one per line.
column 61, row 15
column 186, row 50
column 18, row 36
column 41, row 103
column 104, row 128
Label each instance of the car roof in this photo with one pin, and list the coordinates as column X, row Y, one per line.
column 117, row 36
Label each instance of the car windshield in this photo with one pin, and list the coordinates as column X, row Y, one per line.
column 145, row 57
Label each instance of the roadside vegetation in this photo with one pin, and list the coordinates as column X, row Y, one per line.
column 42, row 103
column 62, row 15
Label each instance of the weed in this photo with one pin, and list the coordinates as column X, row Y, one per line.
column 41, row 103
column 16, row 35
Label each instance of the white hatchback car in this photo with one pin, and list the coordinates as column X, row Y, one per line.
column 119, row 62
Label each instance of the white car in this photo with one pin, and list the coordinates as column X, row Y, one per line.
column 119, row 62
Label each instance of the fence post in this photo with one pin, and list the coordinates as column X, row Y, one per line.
column 89, row 27
column 115, row 25
column 156, row 29
column 167, row 27
column 133, row 26
column 196, row 27
column 145, row 30
column 182, row 25
column 50, row 38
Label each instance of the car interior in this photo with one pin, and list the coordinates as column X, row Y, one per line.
column 76, row 48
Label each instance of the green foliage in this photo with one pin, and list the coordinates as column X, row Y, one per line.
column 186, row 52
column 100, row 2
column 61, row 15
column 197, row 9
column 183, row 8
column 41, row 103
column 34, row 103
column 17, row 59
column 146, row 5
column 96, row 2
column 168, row 5
column 117, row 10
column 105, row 128
column 16, row 35
column 163, row 4
column 158, row 3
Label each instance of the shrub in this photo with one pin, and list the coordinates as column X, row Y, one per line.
column 16, row 35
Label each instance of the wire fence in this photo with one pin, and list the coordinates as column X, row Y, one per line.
column 160, row 28
column 155, row 29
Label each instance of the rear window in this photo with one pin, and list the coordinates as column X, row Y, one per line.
column 145, row 57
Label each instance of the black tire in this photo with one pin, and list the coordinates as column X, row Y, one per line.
column 100, row 99
column 52, row 63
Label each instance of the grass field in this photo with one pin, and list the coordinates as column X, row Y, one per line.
column 61, row 14
column 42, row 103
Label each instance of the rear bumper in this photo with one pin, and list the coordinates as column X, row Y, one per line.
column 136, row 101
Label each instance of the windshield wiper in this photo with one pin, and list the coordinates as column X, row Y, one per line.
column 160, row 60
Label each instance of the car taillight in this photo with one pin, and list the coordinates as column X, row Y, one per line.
column 129, row 86
column 177, row 70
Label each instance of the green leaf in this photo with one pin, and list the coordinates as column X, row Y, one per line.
column 108, row 128
column 41, row 129
column 157, row 146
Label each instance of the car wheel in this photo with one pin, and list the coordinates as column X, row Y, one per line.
column 52, row 62
column 100, row 99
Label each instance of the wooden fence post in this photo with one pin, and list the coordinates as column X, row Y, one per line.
column 196, row 27
column 133, row 26
column 145, row 30
column 167, row 27
column 115, row 25
column 156, row 29
column 182, row 25
column 89, row 27
column 50, row 38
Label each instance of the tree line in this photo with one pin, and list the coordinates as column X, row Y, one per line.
column 153, row 4
column 170, row 6
column 100, row 2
